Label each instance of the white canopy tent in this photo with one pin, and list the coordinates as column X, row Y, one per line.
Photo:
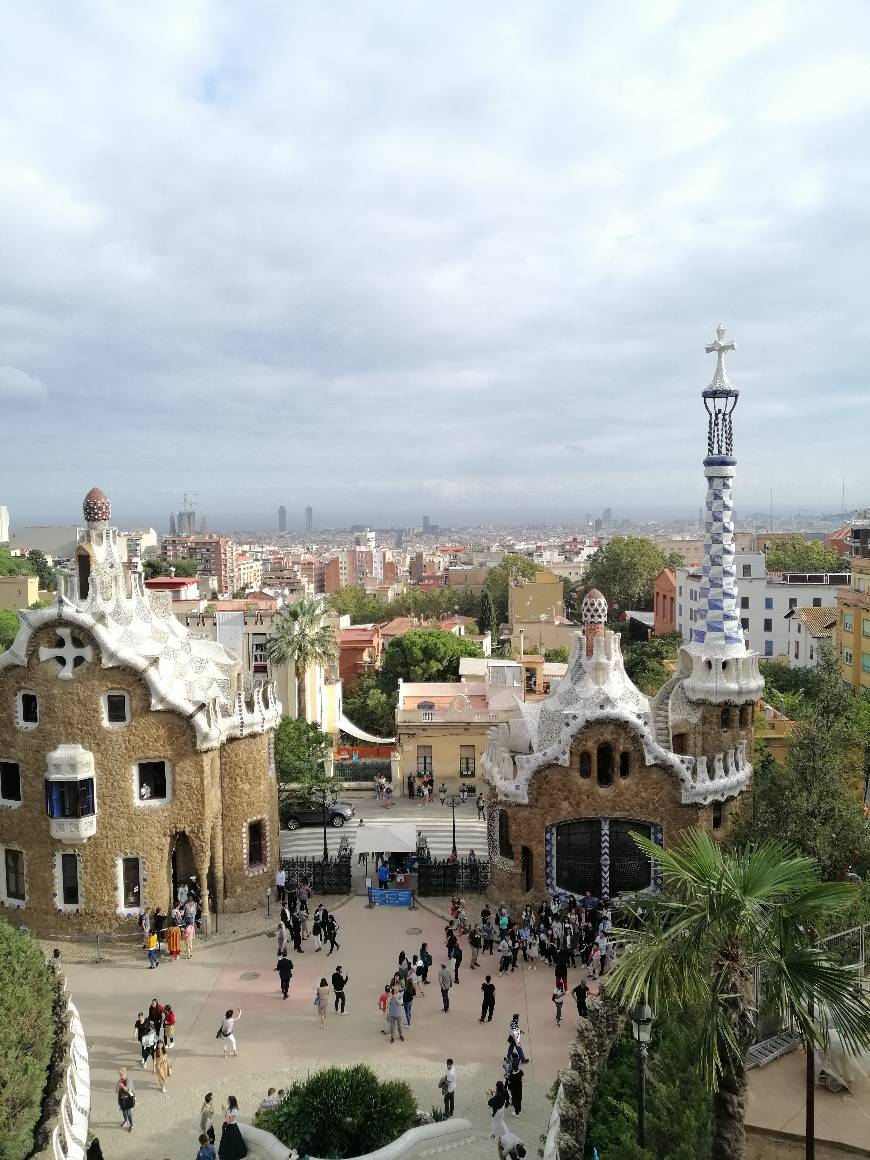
column 382, row 837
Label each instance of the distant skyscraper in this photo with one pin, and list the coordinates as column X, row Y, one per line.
column 282, row 519
column 173, row 529
column 309, row 519
column 426, row 525
column 4, row 525
column 607, row 515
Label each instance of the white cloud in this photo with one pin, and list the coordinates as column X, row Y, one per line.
column 457, row 238
column 18, row 387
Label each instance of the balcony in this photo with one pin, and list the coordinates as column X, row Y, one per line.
column 453, row 716
column 72, row 829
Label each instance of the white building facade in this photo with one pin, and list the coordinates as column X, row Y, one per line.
column 764, row 601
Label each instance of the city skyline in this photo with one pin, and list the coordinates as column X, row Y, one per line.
column 487, row 252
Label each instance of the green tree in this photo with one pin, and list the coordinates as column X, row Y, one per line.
column 301, row 750
column 14, row 565
column 8, row 627
column 355, row 603
column 814, row 802
column 186, row 566
column 486, row 617
column 154, row 567
column 512, row 567
column 721, row 915
column 27, row 985
column 425, row 654
column 799, row 555
column 645, row 661
column 557, row 656
column 342, row 1111
column 41, row 568
column 300, row 638
column 625, row 570
column 369, row 707
column 571, row 598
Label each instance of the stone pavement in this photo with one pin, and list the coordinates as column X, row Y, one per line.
column 281, row 1040
column 777, row 1100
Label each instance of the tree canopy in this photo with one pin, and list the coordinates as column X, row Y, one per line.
column 363, row 608
column 300, row 752
column 644, row 660
column 814, row 802
column 486, row 617
column 799, row 555
column 300, row 638
column 512, row 567
column 558, row 655
column 369, row 707
column 8, row 627
column 426, row 654
column 186, row 566
column 15, row 565
column 625, row 570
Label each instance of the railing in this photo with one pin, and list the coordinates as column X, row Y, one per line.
column 363, row 770
column 69, row 1135
column 450, row 716
column 833, row 579
column 330, row 877
column 440, row 876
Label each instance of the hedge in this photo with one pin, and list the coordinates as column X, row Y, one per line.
column 27, row 1040
column 341, row 1112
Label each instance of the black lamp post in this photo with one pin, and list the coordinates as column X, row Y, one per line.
column 641, row 1027
column 324, row 796
column 454, row 798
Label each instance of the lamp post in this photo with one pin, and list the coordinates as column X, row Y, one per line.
column 453, row 801
column 641, row 1026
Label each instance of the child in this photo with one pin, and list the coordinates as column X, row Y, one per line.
column 168, row 1026
column 384, row 1003
column 558, row 998
column 533, row 954
column 206, row 1150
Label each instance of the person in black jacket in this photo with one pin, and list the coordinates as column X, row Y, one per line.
column 580, row 992
column 338, row 984
column 515, row 1087
column 285, row 973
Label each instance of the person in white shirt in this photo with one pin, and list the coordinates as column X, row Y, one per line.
column 603, row 948
column 228, row 1030
column 449, row 1089
column 280, row 882
column 510, row 1146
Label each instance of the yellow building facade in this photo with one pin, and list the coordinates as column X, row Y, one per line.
column 18, row 591
column 852, row 631
column 532, row 599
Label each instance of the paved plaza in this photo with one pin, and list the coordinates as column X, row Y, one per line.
column 280, row 1040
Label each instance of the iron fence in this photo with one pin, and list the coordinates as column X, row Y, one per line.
column 440, row 876
column 363, row 770
column 325, row 877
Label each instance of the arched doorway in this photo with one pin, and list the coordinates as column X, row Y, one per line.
column 182, row 863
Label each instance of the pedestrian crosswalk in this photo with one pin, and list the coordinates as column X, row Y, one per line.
column 434, row 822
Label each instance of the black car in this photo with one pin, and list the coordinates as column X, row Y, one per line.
column 296, row 814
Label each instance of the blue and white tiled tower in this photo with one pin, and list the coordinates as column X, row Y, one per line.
column 716, row 665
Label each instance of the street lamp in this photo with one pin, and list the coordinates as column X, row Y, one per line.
column 453, row 800
column 641, row 1027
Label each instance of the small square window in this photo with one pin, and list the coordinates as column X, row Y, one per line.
column 151, row 781
column 744, row 601
column 768, row 624
column 817, row 602
column 792, row 602
column 13, row 865
column 10, row 782
column 116, row 708
column 28, row 709
column 768, row 602
column 744, row 623
column 255, row 843
column 747, row 571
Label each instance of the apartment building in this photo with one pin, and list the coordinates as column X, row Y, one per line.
column 665, row 603
column 215, row 556
column 852, row 630
column 764, row 601
column 249, row 572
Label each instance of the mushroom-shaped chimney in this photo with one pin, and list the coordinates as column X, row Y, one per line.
column 593, row 614
column 96, row 507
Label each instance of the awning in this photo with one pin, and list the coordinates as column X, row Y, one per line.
column 382, row 837
column 348, row 727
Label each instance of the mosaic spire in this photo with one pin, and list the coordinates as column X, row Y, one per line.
column 718, row 623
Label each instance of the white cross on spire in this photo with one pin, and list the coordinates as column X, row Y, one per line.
column 721, row 347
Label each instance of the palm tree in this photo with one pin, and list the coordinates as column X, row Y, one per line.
column 299, row 637
column 720, row 916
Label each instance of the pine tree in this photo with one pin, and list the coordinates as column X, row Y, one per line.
column 486, row 617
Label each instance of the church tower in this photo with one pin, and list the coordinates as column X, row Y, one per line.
column 707, row 711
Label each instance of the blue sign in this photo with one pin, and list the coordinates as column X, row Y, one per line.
column 391, row 897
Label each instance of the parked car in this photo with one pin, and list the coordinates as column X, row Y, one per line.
column 296, row 814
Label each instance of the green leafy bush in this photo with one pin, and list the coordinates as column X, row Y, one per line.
column 340, row 1112
column 27, row 987
column 678, row 1105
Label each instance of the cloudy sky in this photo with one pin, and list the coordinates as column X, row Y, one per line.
column 405, row 258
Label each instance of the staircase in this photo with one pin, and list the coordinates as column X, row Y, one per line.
column 760, row 1054
column 662, row 720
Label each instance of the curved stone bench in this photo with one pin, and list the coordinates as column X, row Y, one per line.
column 428, row 1140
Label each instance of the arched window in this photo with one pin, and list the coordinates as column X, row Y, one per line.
column 745, row 716
column 725, row 718
column 585, row 764
column 604, row 764
column 624, row 763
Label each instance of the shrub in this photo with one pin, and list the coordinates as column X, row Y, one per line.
column 27, row 987
column 678, row 1105
column 340, row 1112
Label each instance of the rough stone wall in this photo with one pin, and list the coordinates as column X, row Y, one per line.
column 248, row 792
column 558, row 793
column 70, row 711
column 588, row 1054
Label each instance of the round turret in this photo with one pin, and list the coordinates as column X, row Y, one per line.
column 96, row 507
column 593, row 610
